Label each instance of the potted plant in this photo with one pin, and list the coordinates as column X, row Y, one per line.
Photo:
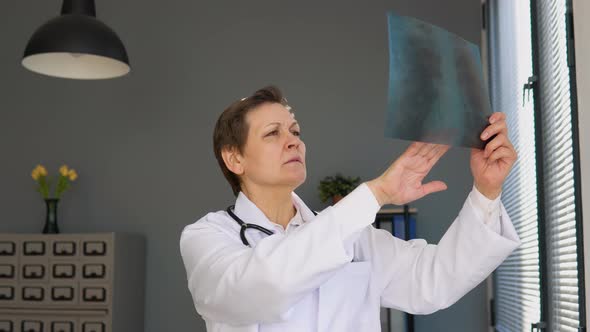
column 336, row 187
column 62, row 183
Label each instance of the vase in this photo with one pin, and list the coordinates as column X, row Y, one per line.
column 51, row 217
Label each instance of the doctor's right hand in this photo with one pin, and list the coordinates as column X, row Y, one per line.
column 402, row 183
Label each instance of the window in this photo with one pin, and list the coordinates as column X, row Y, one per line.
column 517, row 282
column 531, row 54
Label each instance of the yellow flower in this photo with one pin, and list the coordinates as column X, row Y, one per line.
column 63, row 170
column 38, row 172
column 42, row 170
column 72, row 175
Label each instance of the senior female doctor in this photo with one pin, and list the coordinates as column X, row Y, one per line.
column 270, row 264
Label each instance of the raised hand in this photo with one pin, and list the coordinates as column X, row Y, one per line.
column 402, row 183
column 491, row 166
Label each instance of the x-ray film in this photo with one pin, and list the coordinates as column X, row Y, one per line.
column 436, row 92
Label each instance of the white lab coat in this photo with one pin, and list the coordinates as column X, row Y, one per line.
column 334, row 271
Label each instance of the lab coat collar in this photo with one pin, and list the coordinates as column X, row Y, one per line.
column 250, row 213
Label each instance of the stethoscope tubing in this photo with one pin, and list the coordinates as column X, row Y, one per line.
column 244, row 226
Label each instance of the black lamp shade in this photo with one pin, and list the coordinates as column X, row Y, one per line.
column 76, row 46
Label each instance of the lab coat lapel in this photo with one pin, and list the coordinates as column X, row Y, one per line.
column 306, row 213
column 251, row 214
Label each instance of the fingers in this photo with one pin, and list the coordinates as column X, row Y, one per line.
column 502, row 153
column 497, row 116
column 497, row 126
column 497, row 142
column 499, row 147
column 413, row 149
column 426, row 149
column 432, row 152
column 438, row 152
column 419, row 148
column 434, row 186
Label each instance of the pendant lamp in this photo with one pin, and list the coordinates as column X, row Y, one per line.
column 76, row 45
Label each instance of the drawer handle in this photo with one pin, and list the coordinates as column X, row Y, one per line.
column 95, row 327
column 95, row 248
column 33, row 252
column 6, row 297
column 94, row 275
column 94, row 298
column 33, row 297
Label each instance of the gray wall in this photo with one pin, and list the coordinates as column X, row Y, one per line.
column 142, row 143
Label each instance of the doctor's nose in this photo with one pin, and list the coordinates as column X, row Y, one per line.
column 293, row 142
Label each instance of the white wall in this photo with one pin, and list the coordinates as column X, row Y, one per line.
column 581, row 33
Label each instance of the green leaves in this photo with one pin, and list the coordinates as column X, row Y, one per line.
column 335, row 185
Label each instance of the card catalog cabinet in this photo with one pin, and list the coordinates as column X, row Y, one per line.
column 71, row 282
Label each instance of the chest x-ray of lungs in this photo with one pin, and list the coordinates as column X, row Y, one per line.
column 436, row 91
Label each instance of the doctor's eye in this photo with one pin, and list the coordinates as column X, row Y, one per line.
column 274, row 132
column 296, row 133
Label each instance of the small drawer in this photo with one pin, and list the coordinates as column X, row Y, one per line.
column 95, row 248
column 33, row 293
column 7, row 271
column 63, row 293
column 6, row 325
column 64, row 248
column 33, row 271
column 94, row 294
column 7, row 248
column 31, row 325
column 33, row 248
column 90, row 325
column 63, row 271
column 6, row 293
column 94, row 271
column 62, row 326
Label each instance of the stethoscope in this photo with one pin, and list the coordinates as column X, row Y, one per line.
column 244, row 226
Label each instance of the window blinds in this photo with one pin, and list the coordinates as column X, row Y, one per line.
column 516, row 282
column 558, row 163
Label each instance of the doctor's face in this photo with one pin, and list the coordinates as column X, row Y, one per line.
column 274, row 154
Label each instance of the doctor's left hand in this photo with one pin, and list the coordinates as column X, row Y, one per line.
column 491, row 166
